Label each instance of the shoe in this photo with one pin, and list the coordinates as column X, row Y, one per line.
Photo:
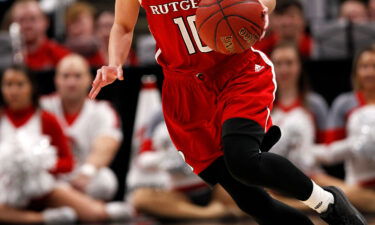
column 341, row 212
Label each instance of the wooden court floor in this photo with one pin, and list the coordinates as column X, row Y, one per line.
column 316, row 220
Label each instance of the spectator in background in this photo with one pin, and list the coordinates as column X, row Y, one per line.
column 354, row 11
column 301, row 114
column 352, row 127
column 41, row 53
column 372, row 10
column 80, row 38
column 22, row 199
column 350, row 119
column 288, row 24
column 93, row 127
column 103, row 26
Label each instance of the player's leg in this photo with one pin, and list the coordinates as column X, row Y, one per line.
column 173, row 205
column 246, row 103
column 219, row 194
column 251, row 167
column 253, row 200
column 247, row 164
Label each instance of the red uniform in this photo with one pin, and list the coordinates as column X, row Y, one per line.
column 202, row 88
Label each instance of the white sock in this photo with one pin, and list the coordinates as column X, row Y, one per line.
column 119, row 211
column 59, row 215
column 319, row 199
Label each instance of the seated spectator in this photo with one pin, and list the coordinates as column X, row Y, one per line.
column 354, row 11
column 80, row 36
column 347, row 129
column 372, row 10
column 26, row 155
column 302, row 118
column 162, row 185
column 288, row 24
column 103, row 26
column 94, row 144
column 41, row 53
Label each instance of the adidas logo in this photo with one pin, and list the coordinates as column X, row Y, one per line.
column 258, row 68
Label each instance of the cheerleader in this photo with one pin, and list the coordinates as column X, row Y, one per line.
column 302, row 116
column 351, row 132
column 33, row 150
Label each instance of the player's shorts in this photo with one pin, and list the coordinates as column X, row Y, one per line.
column 196, row 105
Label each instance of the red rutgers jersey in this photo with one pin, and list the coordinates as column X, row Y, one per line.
column 202, row 89
column 179, row 48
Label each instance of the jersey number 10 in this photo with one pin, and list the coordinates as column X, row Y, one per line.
column 185, row 35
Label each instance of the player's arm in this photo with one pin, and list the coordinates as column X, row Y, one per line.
column 270, row 4
column 126, row 15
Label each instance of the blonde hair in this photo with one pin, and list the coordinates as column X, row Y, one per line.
column 77, row 9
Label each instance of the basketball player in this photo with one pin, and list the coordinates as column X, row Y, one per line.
column 217, row 108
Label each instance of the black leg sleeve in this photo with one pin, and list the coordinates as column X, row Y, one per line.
column 252, row 199
column 241, row 141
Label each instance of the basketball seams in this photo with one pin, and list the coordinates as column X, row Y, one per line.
column 215, row 3
column 215, row 34
column 256, row 26
column 244, row 18
column 230, row 27
column 218, row 11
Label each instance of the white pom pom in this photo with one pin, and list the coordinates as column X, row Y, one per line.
column 24, row 169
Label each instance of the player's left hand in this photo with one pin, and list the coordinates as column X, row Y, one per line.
column 105, row 76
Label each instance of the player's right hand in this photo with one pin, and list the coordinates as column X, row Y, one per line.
column 105, row 76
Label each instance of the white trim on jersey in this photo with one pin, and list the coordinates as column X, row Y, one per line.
column 268, row 62
column 157, row 54
column 268, row 117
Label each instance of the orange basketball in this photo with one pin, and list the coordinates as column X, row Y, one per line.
column 230, row 26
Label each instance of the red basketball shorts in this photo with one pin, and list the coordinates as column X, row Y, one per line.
column 196, row 105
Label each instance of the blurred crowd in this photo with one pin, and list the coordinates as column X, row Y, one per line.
column 56, row 150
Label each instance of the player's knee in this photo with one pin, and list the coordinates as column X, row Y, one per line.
column 241, row 141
